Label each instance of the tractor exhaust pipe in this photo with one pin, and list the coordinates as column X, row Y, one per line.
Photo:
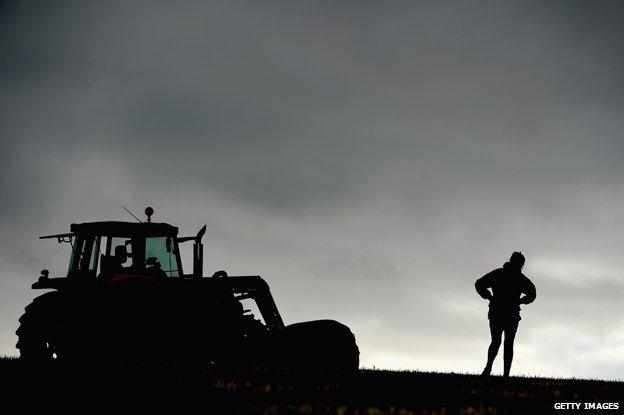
column 198, row 254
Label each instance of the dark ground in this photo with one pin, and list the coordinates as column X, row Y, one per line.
column 175, row 390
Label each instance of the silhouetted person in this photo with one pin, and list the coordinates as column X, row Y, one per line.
column 507, row 285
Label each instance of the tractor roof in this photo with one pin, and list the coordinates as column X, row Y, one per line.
column 114, row 228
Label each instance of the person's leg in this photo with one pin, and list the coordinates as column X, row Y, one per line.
column 496, row 332
column 510, row 335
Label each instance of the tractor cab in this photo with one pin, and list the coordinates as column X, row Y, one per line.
column 124, row 248
column 103, row 249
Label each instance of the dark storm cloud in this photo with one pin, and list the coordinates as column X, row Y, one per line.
column 369, row 159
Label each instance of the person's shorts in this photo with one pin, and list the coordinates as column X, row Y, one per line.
column 506, row 324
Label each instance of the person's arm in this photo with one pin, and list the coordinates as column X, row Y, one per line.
column 483, row 284
column 529, row 292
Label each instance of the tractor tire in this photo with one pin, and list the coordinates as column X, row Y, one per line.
column 321, row 345
column 38, row 333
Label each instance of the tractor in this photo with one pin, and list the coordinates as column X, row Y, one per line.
column 126, row 298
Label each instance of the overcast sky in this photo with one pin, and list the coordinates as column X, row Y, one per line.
column 370, row 160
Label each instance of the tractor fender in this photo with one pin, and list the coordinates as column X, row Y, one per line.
column 129, row 278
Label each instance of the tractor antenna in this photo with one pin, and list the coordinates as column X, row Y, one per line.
column 126, row 209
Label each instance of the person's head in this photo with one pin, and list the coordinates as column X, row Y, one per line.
column 516, row 261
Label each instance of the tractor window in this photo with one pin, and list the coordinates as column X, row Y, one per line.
column 95, row 254
column 161, row 250
column 76, row 250
column 122, row 249
column 85, row 254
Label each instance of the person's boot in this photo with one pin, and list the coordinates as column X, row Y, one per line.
column 506, row 369
column 486, row 371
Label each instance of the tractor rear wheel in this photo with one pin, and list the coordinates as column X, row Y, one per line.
column 38, row 333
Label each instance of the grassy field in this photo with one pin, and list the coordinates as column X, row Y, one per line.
column 90, row 388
